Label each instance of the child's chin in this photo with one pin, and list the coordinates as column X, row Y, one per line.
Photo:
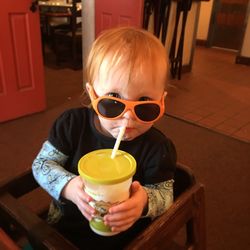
column 129, row 137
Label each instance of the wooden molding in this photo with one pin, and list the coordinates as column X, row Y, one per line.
column 186, row 68
column 242, row 60
column 201, row 42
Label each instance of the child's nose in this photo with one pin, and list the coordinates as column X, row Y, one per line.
column 129, row 115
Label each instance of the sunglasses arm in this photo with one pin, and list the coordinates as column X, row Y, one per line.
column 163, row 99
column 91, row 91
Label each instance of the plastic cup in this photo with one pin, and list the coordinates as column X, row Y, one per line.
column 107, row 181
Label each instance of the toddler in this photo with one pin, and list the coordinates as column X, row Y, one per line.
column 126, row 75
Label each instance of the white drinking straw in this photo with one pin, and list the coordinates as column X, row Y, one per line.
column 118, row 141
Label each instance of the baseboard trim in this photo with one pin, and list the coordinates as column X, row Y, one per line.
column 186, row 68
column 242, row 60
column 201, row 42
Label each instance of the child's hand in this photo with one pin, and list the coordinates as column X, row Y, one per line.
column 74, row 191
column 123, row 216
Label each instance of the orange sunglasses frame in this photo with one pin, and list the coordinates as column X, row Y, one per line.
column 129, row 105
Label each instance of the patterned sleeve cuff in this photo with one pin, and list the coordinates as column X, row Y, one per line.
column 160, row 198
column 48, row 171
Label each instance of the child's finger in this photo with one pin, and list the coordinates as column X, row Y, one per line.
column 86, row 215
column 120, row 223
column 86, row 210
column 121, row 228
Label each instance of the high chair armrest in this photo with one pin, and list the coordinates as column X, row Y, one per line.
column 39, row 233
column 19, row 184
column 188, row 208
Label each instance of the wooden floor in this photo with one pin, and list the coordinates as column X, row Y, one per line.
column 216, row 94
column 220, row 162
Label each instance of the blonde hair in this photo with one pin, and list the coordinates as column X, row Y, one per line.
column 136, row 49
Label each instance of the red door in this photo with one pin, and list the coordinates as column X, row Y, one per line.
column 21, row 66
column 112, row 13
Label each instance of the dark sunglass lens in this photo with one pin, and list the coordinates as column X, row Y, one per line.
column 147, row 112
column 110, row 108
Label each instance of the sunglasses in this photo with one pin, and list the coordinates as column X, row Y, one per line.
column 113, row 108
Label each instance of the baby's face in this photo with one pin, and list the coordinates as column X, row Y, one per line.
column 118, row 85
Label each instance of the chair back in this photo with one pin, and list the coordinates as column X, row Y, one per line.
column 72, row 34
column 183, row 179
column 75, row 12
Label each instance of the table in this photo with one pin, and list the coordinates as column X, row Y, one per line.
column 56, row 12
column 57, row 6
column 54, row 3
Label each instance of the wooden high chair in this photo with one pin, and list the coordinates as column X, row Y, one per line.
column 23, row 205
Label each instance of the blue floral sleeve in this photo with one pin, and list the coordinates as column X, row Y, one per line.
column 48, row 170
column 160, row 198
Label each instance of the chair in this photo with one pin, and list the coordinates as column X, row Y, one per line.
column 53, row 17
column 69, row 37
column 6, row 243
column 187, row 211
